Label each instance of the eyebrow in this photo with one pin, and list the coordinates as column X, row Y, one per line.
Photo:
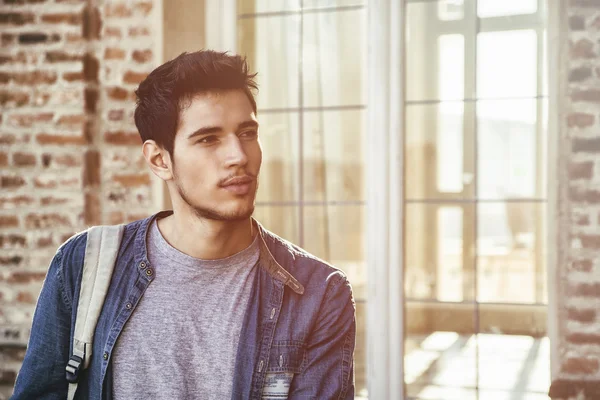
column 215, row 129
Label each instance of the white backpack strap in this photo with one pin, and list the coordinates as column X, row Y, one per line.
column 101, row 250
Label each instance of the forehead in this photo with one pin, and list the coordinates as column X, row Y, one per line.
column 216, row 109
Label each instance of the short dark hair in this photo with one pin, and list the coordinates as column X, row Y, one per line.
column 169, row 89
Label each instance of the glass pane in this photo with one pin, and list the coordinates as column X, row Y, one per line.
column 511, row 252
column 495, row 8
column 333, row 156
column 513, row 366
column 278, row 179
column 510, row 153
column 281, row 220
column 332, row 3
column 451, row 10
column 336, row 235
column 440, row 352
column 334, row 58
column 271, row 45
column 434, row 62
column 439, row 251
column 360, row 351
column 507, row 64
column 259, row 6
column 436, row 164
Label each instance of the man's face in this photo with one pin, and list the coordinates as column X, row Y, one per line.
column 217, row 156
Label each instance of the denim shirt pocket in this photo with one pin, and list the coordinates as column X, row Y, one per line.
column 287, row 358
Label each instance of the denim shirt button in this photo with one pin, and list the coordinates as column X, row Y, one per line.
column 105, row 355
column 149, row 272
column 128, row 306
column 142, row 265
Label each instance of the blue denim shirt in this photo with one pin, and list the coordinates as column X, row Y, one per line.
column 300, row 319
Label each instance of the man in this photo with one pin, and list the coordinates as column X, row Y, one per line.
column 204, row 303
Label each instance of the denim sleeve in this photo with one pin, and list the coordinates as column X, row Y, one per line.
column 329, row 369
column 42, row 375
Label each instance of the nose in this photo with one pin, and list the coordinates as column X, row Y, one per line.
column 235, row 153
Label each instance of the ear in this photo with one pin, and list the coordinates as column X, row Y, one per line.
column 158, row 160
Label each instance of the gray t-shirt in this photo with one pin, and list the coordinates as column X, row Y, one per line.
column 181, row 341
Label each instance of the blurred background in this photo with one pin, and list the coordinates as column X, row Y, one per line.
column 499, row 178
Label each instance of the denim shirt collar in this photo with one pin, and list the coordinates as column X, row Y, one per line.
column 268, row 246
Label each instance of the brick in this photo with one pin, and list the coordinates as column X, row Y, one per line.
column 90, row 100
column 45, row 183
column 590, row 241
column 9, row 221
column 11, row 182
column 73, row 76
column 122, row 138
column 581, row 170
column 62, row 56
column 92, row 22
column 12, row 98
column 60, row 160
column 53, row 201
column 91, row 169
column 5, row 77
column 47, row 138
column 582, row 49
column 583, row 338
column 116, row 115
column 45, row 221
column 11, row 261
column 113, row 53
column 118, row 93
column 116, row 217
column 92, row 210
column 29, row 120
column 591, row 95
column 62, row 18
column 580, row 120
column 7, row 38
column 14, row 18
column 134, row 77
column 91, row 66
column 35, row 77
column 132, row 180
column 585, row 290
column 581, row 219
column 12, row 241
column 113, row 32
column 587, row 365
column 137, row 31
column 580, row 74
column 25, row 298
column 585, row 315
column 142, row 56
column 576, row 23
column 143, row 7
column 3, row 159
column 117, row 10
column 36, row 37
column 584, row 145
column 44, row 242
column 585, row 3
column 72, row 121
column 74, row 37
column 24, row 159
column 16, row 202
column 25, row 277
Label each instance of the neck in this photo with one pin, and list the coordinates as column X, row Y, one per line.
column 204, row 238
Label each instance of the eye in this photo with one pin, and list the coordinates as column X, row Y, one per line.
column 207, row 140
column 249, row 134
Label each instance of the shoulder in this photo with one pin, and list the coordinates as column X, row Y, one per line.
column 312, row 272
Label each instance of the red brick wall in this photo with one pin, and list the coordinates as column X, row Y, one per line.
column 69, row 151
column 578, row 178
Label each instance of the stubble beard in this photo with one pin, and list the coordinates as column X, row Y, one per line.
column 211, row 213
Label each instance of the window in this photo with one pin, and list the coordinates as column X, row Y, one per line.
column 475, row 197
column 311, row 59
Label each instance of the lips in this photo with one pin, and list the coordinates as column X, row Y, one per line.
column 239, row 185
